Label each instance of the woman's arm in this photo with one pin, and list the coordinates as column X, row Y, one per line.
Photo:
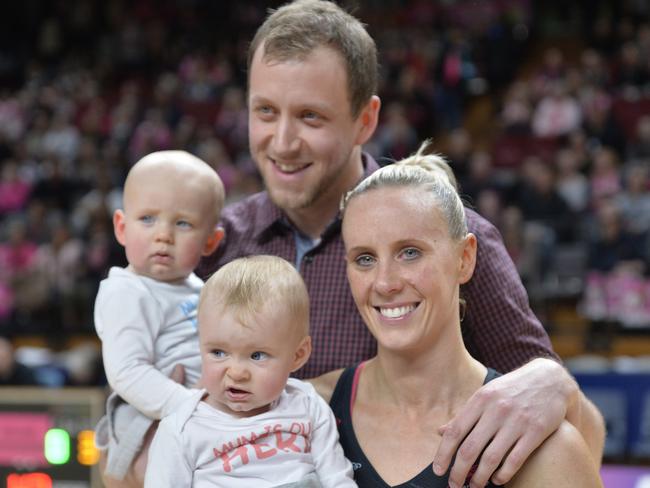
column 508, row 418
column 586, row 417
column 562, row 461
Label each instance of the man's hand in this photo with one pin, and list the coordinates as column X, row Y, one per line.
column 504, row 422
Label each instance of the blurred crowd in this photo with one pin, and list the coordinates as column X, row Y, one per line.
column 95, row 85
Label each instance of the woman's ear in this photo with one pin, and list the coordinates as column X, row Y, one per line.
column 467, row 258
column 213, row 241
column 302, row 353
column 119, row 224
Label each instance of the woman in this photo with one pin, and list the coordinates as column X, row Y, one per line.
column 408, row 251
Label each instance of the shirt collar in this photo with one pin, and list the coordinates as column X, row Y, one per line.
column 271, row 220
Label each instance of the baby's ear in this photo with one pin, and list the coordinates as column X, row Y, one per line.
column 119, row 223
column 213, row 241
column 303, row 351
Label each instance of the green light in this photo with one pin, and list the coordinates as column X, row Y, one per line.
column 57, row 446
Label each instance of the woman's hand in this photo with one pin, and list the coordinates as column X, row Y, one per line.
column 508, row 418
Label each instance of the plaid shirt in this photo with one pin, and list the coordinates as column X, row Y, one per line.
column 499, row 328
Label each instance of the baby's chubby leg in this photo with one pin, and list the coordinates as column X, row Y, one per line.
column 135, row 476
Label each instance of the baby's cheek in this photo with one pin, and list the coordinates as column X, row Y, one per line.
column 190, row 258
column 273, row 385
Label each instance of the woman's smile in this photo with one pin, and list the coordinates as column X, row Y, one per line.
column 396, row 312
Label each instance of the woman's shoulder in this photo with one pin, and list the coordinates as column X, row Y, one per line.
column 563, row 460
column 325, row 384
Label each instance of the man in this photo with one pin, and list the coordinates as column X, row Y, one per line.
column 312, row 105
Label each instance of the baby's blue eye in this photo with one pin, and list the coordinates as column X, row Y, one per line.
column 218, row 353
column 146, row 219
column 184, row 223
column 259, row 356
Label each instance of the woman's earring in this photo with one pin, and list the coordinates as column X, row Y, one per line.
column 463, row 308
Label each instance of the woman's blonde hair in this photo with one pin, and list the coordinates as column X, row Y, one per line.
column 426, row 170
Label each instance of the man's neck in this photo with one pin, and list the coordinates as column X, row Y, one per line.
column 311, row 222
column 314, row 219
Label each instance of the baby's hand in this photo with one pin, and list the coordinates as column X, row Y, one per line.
column 178, row 374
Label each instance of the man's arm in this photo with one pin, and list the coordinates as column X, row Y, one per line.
column 508, row 418
column 500, row 329
column 514, row 414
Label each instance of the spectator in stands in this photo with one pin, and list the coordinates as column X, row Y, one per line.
column 599, row 123
column 551, row 71
column 557, row 113
column 13, row 372
column 17, row 280
column 151, row 134
column 540, row 202
column 604, row 176
column 630, row 70
column 396, row 138
column 61, row 139
column 615, row 289
column 634, row 200
column 517, row 110
column 14, row 189
column 547, row 219
column 456, row 67
column 639, row 147
column 481, row 176
column 231, row 124
column 613, row 247
column 571, row 184
column 60, row 264
column 593, row 68
column 459, row 150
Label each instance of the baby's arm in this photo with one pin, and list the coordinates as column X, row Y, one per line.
column 167, row 465
column 332, row 467
column 128, row 322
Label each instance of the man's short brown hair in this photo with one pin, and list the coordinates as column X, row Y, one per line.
column 294, row 30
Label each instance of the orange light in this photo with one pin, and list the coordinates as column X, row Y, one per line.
column 30, row 480
column 87, row 453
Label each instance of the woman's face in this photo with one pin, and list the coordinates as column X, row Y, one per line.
column 403, row 268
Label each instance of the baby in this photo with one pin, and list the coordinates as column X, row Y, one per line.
column 145, row 314
column 252, row 425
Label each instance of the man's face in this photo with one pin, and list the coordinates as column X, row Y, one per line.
column 301, row 130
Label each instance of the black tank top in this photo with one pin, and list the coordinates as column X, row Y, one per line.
column 364, row 473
